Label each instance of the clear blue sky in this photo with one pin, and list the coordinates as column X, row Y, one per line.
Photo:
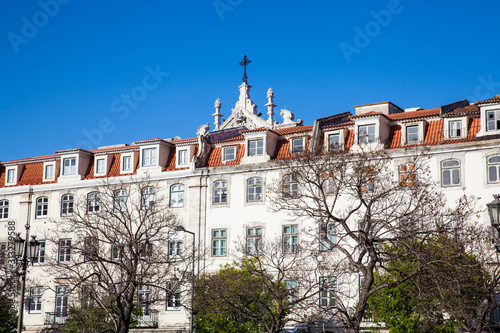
column 66, row 70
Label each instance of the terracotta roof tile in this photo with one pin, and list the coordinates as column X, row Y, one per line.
column 185, row 140
column 282, row 150
column 367, row 114
column 341, row 125
column 234, row 138
column 467, row 110
column 31, row 159
column 395, row 137
column 215, row 158
column 414, row 114
column 260, row 129
column 495, row 99
column 350, row 139
column 293, row 130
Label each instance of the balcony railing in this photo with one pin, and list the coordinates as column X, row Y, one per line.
column 149, row 319
column 55, row 318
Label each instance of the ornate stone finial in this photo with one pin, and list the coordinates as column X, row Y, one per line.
column 288, row 116
column 270, row 106
column 217, row 113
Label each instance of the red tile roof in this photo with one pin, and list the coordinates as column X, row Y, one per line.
column 495, row 99
column 293, row 130
column 215, row 157
column 367, row 114
column 234, row 138
column 414, row 114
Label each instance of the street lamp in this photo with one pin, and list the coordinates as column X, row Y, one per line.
column 494, row 210
column 181, row 228
column 24, row 251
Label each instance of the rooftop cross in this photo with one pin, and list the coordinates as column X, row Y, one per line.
column 244, row 63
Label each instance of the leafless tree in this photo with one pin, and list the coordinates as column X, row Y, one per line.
column 359, row 202
column 118, row 251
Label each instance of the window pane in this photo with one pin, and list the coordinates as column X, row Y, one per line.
column 455, row 176
column 492, row 172
column 446, row 177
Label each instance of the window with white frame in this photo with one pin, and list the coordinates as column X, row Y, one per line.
column 327, row 288
column 407, row 175
column 254, row 240
column 90, row 248
column 69, row 166
column 42, row 207
column 493, row 169
column 117, row 251
column 11, row 176
column 93, row 202
column 127, row 163
column 144, row 298
column 183, row 157
column 254, row 189
column 366, row 133
column 35, row 304
column 290, row 186
column 412, row 134
column 146, row 250
column 67, row 203
column 175, row 249
column 334, row 142
column 290, row 238
column 219, row 241
column 492, row 120
column 4, row 209
column 255, row 147
column 173, row 295
column 49, row 171
column 148, row 157
column 450, row 172
column 297, row 145
column 177, row 196
column 148, row 196
column 64, row 251
column 327, row 237
column 120, row 200
column 455, row 129
column 292, row 289
column 40, row 259
column 61, row 303
column 220, row 192
column 229, row 154
column 100, row 166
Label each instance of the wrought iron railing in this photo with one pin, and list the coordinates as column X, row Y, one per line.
column 55, row 318
column 148, row 319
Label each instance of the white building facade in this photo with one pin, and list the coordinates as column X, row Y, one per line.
column 216, row 183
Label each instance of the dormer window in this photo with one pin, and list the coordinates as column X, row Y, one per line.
column 100, row 166
column 412, row 134
column 455, row 128
column 11, row 176
column 182, row 159
column 493, row 120
column 127, row 163
column 366, row 133
column 297, row 145
column 334, row 142
column 228, row 154
column 255, row 147
column 149, row 157
column 48, row 172
column 69, row 166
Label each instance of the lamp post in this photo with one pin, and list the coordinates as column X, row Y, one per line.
column 494, row 211
column 181, row 228
column 26, row 251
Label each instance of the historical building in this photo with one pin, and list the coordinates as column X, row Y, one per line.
column 215, row 182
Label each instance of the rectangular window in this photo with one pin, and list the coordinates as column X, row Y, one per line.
column 174, row 249
column 229, row 154
column 69, row 166
column 292, row 290
column 100, row 165
column 173, row 295
column 297, row 145
column 11, row 176
column 183, row 157
column 455, row 129
column 493, row 120
column 450, row 172
column 49, row 171
column 41, row 253
column 90, row 248
column 334, row 142
column 64, row 252
column 290, row 238
column 144, row 299
column 412, row 134
column 127, row 163
column 407, row 175
column 117, row 252
column 255, row 147
column 327, row 287
column 35, row 303
column 148, row 157
column 219, row 240
column 254, row 240
column 366, row 133
column 327, row 238
column 61, row 304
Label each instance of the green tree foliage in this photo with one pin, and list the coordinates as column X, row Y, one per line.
column 87, row 320
column 448, row 288
column 235, row 300
column 8, row 318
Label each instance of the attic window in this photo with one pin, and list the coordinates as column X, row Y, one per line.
column 255, row 147
column 412, row 134
column 366, row 133
column 100, row 166
column 297, row 145
column 11, row 176
column 69, row 166
column 229, row 154
column 455, row 128
column 493, row 120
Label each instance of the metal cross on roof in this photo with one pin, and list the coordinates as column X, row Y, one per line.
column 244, row 63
